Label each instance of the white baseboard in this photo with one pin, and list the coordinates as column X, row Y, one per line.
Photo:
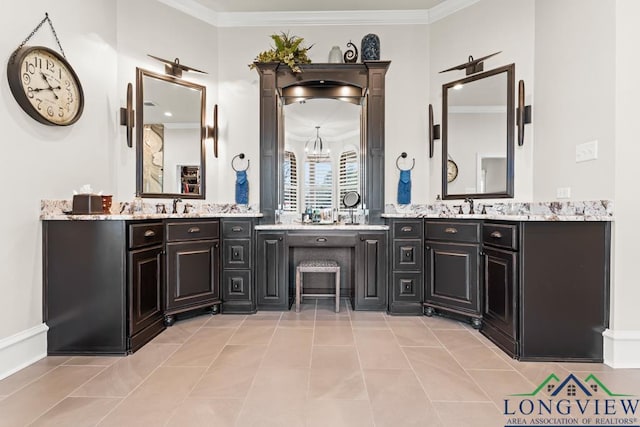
column 22, row 349
column 622, row 349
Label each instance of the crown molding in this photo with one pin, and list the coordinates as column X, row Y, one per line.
column 316, row 18
column 448, row 7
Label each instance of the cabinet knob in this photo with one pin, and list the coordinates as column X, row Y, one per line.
column 149, row 233
column 280, row 238
column 496, row 235
column 236, row 229
column 406, row 229
column 193, row 230
column 451, row 230
column 216, row 245
column 321, row 239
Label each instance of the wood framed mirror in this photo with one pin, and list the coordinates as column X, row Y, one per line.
column 478, row 125
column 170, row 135
column 363, row 84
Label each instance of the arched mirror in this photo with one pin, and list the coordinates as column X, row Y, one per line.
column 169, row 136
column 323, row 162
column 478, row 135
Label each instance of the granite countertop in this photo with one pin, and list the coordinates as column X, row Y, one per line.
column 598, row 210
column 57, row 210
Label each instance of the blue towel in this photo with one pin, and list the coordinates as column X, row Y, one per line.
column 404, row 187
column 242, row 188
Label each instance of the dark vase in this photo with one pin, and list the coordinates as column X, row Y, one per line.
column 370, row 48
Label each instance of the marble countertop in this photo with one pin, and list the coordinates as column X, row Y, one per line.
column 598, row 210
column 141, row 216
column 322, row 227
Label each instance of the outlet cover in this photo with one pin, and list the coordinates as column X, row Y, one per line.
column 586, row 151
column 563, row 192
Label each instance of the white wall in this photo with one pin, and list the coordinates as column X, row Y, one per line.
column 406, row 96
column 485, row 27
column 574, row 97
column 46, row 162
column 150, row 27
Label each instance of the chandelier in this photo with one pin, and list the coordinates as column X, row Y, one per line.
column 316, row 145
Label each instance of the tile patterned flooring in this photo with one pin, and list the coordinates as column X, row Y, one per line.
column 313, row 368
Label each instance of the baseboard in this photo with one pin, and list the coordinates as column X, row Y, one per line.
column 22, row 349
column 622, row 349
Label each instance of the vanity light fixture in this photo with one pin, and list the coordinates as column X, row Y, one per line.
column 212, row 131
column 175, row 68
column 127, row 116
column 523, row 113
column 434, row 132
column 472, row 66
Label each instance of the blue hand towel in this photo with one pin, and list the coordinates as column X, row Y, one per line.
column 242, row 188
column 404, row 187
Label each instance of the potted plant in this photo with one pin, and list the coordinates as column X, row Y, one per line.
column 288, row 49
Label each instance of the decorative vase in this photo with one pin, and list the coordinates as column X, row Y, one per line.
column 335, row 55
column 370, row 48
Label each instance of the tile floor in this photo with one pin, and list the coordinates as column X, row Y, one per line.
column 314, row 368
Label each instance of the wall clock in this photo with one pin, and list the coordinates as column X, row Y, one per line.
column 45, row 85
column 452, row 170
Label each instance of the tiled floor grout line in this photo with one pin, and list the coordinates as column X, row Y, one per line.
column 37, row 378
column 253, row 380
column 150, row 373
column 364, row 381
column 195, row 383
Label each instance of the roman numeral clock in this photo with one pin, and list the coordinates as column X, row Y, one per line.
column 44, row 84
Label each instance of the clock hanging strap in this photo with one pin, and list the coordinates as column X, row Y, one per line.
column 53, row 30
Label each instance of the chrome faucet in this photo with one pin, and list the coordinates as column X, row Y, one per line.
column 470, row 201
column 175, row 205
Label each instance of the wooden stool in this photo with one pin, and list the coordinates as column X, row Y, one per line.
column 317, row 267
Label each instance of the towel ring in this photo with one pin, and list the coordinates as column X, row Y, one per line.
column 404, row 156
column 241, row 156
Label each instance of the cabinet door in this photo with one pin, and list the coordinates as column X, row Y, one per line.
column 371, row 273
column 500, row 302
column 193, row 274
column 145, row 288
column 271, row 273
column 452, row 276
column 237, row 253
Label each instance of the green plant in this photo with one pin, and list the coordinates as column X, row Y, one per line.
column 288, row 49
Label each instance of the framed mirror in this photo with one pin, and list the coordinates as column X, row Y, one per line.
column 478, row 124
column 322, row 156
column 170, row 134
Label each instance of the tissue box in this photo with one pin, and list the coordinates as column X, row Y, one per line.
column 86, row 204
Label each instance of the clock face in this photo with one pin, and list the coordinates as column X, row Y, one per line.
column 45, row 86
column 452, row 170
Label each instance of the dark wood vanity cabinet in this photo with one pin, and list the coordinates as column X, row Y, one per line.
column 452, row 279
column 102, row 285
column 371, row 271
column 238, row 294
column 193, row 266
column 271, row 271
column 546, row 287
column 406, row 284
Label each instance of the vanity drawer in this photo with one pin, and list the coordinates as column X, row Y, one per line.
column 454, row 231
column 500, row 235
column 319, row 239
column 193, row 230
column 236, row 228
column 407, row 229
column 145, row 234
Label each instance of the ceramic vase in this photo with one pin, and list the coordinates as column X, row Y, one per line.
column 370, row 48
column 335, row 55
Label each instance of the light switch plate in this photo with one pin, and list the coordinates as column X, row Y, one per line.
column 587, row 151
column 563, row 192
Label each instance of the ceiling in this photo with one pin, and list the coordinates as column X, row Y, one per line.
column 306, row 6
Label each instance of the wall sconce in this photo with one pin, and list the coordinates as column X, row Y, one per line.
column 523, row 113
column 472, row 66
column 434, row 131
column 212, row 131
column 175, row 68
column 127, row 116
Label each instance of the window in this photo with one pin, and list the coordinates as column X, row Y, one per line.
column 290, row 182
column 348, row 179
column 318, row 180
column 571, row 390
